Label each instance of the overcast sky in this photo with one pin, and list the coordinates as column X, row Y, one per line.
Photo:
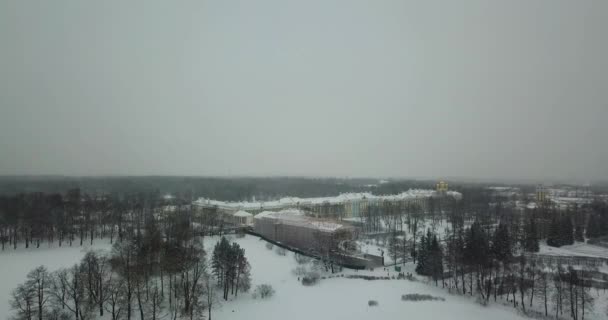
column 480, row 89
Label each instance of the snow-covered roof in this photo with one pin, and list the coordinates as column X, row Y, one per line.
column 283, row 214
column 326, row 226
column 288, row 202
column 242, row 213
column 572, row 200
column 297, row 217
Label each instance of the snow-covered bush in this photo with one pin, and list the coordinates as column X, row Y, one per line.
column 269, row 245
column 300, row 271
column 311, row 278
column 281, row 251
column 372, row 303
column 263, row 291
column 301, row 259
column 318, row 266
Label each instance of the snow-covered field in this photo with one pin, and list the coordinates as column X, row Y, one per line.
column 341, row 298
column 15, row 264
column 332, row 298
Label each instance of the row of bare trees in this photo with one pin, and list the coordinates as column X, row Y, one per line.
column 31, row 219
column 155, row 274
column 496, row 261
column 116, row 285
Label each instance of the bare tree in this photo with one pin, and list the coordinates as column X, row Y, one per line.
column 96, row 268
column 210, row 294
column 22, row 301
column 542, row 285
column 124, row 263
column 156, row 300
column 69, row 290
column 40, row 281
column 116, row 300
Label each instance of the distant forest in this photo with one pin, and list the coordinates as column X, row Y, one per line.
column 226, row 189
column 234, row 188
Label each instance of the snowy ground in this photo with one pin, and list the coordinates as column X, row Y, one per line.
column 341, row 298
column 335, row 298
column 369, row 246
column 15, row 264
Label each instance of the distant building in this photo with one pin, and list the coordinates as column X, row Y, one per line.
column 242, row 218
column 505, row 192
column 563, row 197
column 294, row 229
column 344, row 206
column 442, row 187
column 541, row 195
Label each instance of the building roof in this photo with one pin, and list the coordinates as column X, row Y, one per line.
column 242, row 213
column 288, row 202
column 298, row 218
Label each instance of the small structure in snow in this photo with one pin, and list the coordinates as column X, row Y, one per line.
column 242, row 218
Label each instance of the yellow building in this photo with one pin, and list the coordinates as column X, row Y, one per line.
column 541, row 195
column 442, row 186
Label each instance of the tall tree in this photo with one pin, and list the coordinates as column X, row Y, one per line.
column 501, row 243
column 530, row 238
column 40, row 281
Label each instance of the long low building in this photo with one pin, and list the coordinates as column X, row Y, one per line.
column 293, row 228
column 347, row 205
column 327, row 239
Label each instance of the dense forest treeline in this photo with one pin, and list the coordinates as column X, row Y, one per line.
column 232, row 188
column 226, row 189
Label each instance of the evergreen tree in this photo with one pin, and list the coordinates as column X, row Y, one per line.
column 219, row 260
column 230, row 267
column 553, row 238
column 530, row 239
column 566, row 231
column 394, row 248
column 561, row 232
column 501, row 244
column 435, row 259
column 430, row 256
column 476, row 251
column 578, row 233
column 422, row 256
column 594, row 227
